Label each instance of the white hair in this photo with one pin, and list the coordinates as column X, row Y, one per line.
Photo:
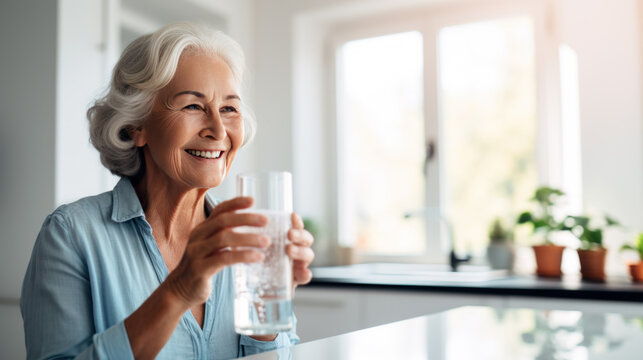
column 146, row 66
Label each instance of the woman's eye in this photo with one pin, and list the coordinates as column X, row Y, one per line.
column 227, row 109
column 193, row 107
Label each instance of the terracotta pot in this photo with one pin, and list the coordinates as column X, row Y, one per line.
column 548, row 260
column 592, row 264
column 636, row 271
column 346, row 255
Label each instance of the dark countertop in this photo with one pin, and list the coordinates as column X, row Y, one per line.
column 476, row 281
column 478, row 332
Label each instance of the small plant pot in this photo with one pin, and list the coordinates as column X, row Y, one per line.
column 501, row 256
column 636, row 271
column 346, row 255
column 592, row 264
column 548, row 260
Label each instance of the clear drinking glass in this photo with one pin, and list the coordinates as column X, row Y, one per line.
column 263, row 301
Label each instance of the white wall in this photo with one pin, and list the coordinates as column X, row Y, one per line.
column 606, row 38
column 82, row 49
column 27, row 111
column 27, row 124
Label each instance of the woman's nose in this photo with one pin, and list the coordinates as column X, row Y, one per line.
column 215, row 129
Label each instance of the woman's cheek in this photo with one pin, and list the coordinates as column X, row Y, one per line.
column 235, row 130
column 230, row 158
column 235, row 133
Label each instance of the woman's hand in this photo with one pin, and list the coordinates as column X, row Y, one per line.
column 213, row 245
column 302, row 255
column 300, row 252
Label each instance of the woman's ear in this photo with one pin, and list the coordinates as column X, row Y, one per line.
column 138, row 136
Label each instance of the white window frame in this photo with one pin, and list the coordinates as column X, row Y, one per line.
column 340, row 36
column 428, row 20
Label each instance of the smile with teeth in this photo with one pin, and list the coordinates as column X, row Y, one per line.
column 205, row 154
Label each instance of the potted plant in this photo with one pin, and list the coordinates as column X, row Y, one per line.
column 591, row 253
column 636, row 268
column 548, row 255
column 500, row 251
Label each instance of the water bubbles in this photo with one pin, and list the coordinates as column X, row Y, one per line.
column 264, row 288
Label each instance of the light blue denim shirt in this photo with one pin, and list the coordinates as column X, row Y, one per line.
column 94, row 262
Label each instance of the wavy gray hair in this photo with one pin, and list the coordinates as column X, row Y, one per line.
column 145, row 67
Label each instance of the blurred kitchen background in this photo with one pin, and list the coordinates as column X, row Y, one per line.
column 409, row 125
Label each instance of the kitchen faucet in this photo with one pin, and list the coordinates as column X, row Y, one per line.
column 454, row 260
column 433, row 212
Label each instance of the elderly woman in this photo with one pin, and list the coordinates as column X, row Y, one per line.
column 143, row 271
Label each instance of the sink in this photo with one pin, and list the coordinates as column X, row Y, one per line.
column 413, row 273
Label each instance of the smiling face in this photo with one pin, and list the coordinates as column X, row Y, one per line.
column 195, row 126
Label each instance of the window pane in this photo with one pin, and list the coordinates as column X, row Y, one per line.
column 381, row 143
column 488, row 119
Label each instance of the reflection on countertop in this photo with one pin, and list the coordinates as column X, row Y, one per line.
column 484, row 333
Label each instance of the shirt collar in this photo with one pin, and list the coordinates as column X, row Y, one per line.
column 210, row 203
column 127, row 206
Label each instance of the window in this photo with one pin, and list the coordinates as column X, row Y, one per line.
column 443, row 120
column 381, row 136
column 487, row 102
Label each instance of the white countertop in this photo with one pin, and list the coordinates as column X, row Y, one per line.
column 483, row 333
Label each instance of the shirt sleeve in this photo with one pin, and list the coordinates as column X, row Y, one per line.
column 56, row 302
column 250, row 346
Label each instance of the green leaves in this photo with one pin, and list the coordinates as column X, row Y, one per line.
column 592, row 238
column 312, row 226
column 498, row 233
column 543, row 222
column 638, row 245
column 582, row 221
column 611, row 222
column 547, row 196
column 539, row 224
column 590, row 235
column 628, row 247
column 525, row 217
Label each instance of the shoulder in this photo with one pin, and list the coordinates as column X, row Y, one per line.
column 77, row 221
column 61, row 237
column 86, row 210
